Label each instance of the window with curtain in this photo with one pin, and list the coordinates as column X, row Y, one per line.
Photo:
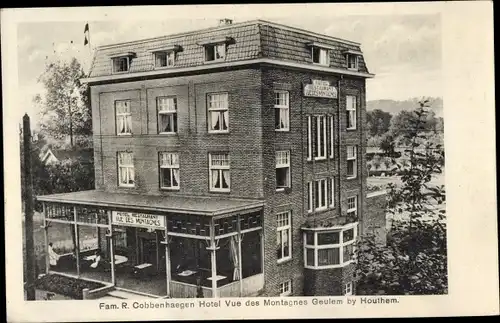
column 123, row 117
column 121, row 64
column 352, row 161
column 283, row 236
column 219, row 172
column 126, row 174
column 218, row 112
column 167, row 115
column 351, row 112
column 169, row 170
column 330, row 248
column 281, row 111
column 282, row 169
column 164, row 59
column 320, row 55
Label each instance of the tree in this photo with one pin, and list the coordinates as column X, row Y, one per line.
column 414, row 259
column 65, row 109
column 388, row 145
column 378, row 122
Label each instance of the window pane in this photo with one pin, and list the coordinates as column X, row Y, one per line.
column 310, row 238
column 282, row 177
column 328, row 257
column 348, row 235
column 328, row 238
column 315, row 54
column 348, row 252
column 310, row 256
column 350, row 168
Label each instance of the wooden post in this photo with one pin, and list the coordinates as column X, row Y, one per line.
column 111, row 249
column 213, row 259
column 240, row 266
column 28, row 212
column 157, row 242
column 167, row 258
column 77, row 240
column 46, row 238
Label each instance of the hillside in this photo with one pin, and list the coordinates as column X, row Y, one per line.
column 393, row 107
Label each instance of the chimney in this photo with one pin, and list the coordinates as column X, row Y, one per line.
column 225, row 22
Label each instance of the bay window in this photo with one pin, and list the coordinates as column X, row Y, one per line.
column 329, row 248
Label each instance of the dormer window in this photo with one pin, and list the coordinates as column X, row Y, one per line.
column 215, row 52
column 121, row 62
column 352, row 62
column 165, row 56
column 164, row 59
column 320, row 56
column 215, row 49
column 352, row 58
column 320, row 53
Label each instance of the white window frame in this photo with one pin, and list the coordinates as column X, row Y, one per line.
column 286, row 288
column 332, row 137
column 318, row 188
column 169, row 161
column 220, row 107
column 348, row 289
column 284, row 224
column 310, row 202
column 283, row 161
column 169, row 108
column 351, row 111
column 214, row 47
column 114, row 59
column 356, row 62
column 129, row 169
column 323, row 59
column 126, row 116
column 318, row 134
column 342, row 245
column 167, row 56
column 332, row 192
column 352, row 156
column 352, row 207
column 309, row 138
column 220, row 169
column 282, row 104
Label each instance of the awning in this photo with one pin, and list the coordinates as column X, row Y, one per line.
column 209, row 206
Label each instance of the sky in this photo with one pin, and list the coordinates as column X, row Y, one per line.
column 403, row 51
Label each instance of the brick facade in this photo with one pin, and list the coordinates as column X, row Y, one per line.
column 252, row 140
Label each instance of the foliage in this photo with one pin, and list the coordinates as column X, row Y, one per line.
column 377, row 122
column 65, row 109
column 67, row 286
column 414, row 259
column 388, row 145
column 69, row 176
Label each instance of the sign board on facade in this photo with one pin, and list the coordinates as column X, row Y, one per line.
column 149, row 221
column 320, row 89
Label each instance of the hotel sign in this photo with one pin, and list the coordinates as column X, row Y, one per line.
column 149, row 221
column 320, row 89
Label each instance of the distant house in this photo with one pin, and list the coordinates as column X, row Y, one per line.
column 53, row 156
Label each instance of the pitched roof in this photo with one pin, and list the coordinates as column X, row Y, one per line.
column 249, row 40
column 84, row 154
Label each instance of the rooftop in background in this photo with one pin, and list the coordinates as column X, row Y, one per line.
column 210, row 206
column 251, row 40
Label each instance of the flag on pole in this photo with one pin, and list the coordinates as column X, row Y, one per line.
column 87, row 35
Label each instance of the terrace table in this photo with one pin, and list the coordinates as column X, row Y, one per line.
column 118, row 259
column 142, row 270
column 217, row 278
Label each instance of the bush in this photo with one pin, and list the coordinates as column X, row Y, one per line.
column 67, row 286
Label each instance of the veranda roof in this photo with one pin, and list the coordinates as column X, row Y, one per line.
column 209, row 206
